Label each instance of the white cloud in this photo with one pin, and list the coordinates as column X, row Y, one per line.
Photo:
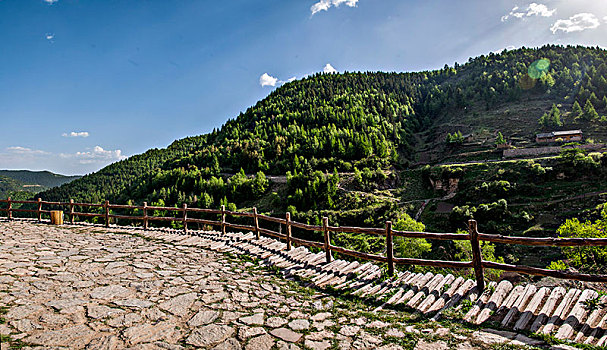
column 49, row 36
column 267, row 80
column 325, row 5
column 329, row 69
column 76, row 134
column 86, row 161
column 576, row 23
column 24, row 151
column 507, row 48
column 50, row 2
column 605, row 18
column 96, row 155
column 534, row 9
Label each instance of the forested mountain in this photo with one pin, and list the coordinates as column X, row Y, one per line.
column 44, row 179
column 362, row 148
column 20, row 183
column 339, row 122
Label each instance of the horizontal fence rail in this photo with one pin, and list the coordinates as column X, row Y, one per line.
column 477, row 263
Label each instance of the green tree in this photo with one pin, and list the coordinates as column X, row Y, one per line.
column 410, row 247
column 552, row 118
column 455, row 139
column 589, row 111
column 585, row 257
column 576, row 110
column 500, row 139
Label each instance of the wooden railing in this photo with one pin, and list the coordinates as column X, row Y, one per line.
column 477, row 263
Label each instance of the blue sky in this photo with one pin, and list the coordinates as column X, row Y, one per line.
column 84, row 83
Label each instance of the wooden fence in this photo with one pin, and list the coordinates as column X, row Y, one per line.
column 477, row 263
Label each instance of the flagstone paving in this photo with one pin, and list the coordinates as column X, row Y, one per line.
column 85, row 287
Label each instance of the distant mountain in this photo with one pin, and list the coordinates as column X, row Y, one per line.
column 12, row 181
column 375, row 120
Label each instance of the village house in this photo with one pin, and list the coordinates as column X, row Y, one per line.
column 559, row 136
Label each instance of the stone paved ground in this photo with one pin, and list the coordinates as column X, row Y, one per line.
column 96, row 288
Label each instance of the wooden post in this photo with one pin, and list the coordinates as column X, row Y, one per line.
column 325, row 224
column 10, row 209
column 71, row 211
column 185, row 217
column 288, row 226
column 39, row 211
column 389, row 248
column 223, row 219
column 256, row 222
column 145, row 215
column 477, row 258
column 107, row 213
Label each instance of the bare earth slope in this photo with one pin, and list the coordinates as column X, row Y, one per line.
column 96, row 288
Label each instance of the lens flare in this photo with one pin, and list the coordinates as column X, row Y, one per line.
column 538, row 68
column 526, row 82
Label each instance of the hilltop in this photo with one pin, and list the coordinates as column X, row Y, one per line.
column 24, row 182
column 365, row 147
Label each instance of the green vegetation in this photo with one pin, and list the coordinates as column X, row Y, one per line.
column 347, row 146
column 22, row 184
column 585, row 257
column 456, row 138
column 551, row 119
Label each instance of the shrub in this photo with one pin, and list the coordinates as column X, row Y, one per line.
column 585, row 256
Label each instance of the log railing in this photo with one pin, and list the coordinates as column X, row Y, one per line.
column 181, row 216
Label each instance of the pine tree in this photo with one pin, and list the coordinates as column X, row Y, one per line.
column 552, row 118
column 589, row 111
column 576, row 111
column 500, row 139
column 555, row 116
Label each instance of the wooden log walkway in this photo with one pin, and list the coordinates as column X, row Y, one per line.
column 553, row 311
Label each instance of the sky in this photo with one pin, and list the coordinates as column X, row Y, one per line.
column 84, row 83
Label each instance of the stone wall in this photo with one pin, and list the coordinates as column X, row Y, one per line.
column 538, row 151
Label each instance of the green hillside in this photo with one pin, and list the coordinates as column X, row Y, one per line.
column 41, row 179
column 353, row 146
column 20, row 183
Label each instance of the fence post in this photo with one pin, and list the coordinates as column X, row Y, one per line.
column 288, row 227
column 145, row 215
column 223, row 219
column 256, row 220
column 39, row 211
column 325, row 224
column 477, row 258
column 185, row 217
column 107, row 213
column 71, row 211
column 389, row 248
column 10, row 209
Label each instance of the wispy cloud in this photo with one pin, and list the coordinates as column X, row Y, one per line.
column 96, row 155
column 24, row 151
column 50, row 2
column 534, row 9
column 507, row 48
column 89, row 156
column 329, row 69
column 325, row 5
column 76, row 134
column 49, row 36
column 576, row 23
column 84, row 161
